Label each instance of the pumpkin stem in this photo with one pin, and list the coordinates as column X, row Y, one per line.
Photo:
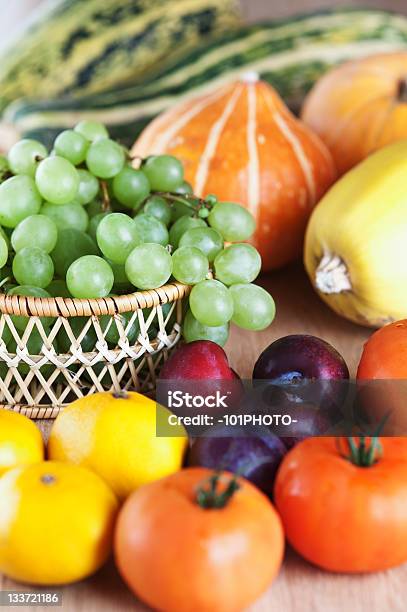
column 332, row 275
column 402, row 91
column 251, row 76
column 209, row 497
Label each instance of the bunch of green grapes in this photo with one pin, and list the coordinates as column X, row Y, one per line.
column 82, row 221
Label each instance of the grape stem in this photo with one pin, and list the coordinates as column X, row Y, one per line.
column 187, row 199
column 106, row 198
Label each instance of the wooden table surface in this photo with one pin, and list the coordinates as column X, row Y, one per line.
column 300, row 586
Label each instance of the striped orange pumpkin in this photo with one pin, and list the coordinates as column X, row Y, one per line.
column 241, row 143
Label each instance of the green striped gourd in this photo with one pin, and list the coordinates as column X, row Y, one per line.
column 291, row 55
column 72, row 47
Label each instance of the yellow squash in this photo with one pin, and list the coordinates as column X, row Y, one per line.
column 356, row 242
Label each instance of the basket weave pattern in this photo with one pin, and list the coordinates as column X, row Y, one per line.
column 41, row 385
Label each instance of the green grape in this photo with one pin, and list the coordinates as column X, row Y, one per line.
column 94, row 224
column 71, row 244
column 88, row 187
column 88, row 340
column 3, row 251
column 19, row 198
column 151, row 229
column 121, row 282
column 72, row 146
column 159, row 208
column 58, row 288
column 238, row 263
column 169, row 319
column 105, row 158
column 94, row 208
column 182, row 225
column 66, row 216
column 5, row 271
column 149, row 266
column 4, row 235
column 6, row 334
column 34, row 346
column 89, row 276
column 203, row 213
column 111, row 324
column 184, row 188
column 25, row 155
column 234, row 222
column 33, row 266
column 253, row 306
column 57, row 180
column 130, row 187
column 211, row 303
column 211, row 199
column 194, row 330
column 189, row 265
column 117, row 236
column 4, row 168
column 91, row 130
column 164, row 172
column 36, row 230
column 180, row 209
column 206, row 239
column 20, row 321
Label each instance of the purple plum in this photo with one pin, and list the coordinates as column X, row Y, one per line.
column 294, row 358
column 253, row 455
column 307, row 379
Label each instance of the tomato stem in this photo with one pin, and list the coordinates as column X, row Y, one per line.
column 209, row 497
column 364, row 452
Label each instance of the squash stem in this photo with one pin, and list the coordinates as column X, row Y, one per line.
column 332, row 275
column 209, row 497
column 402, row 91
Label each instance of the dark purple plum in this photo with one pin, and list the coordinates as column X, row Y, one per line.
column 298, row 357
column 303, row 377
column 306, row 369
column 255, row 456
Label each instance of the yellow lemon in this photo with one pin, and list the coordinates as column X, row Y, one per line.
column 20, row 441
column 56, row 523
column 115, row 435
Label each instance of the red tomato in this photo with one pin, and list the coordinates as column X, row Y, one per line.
column 179, row 556
column 385, row 353
column 384, row 364
column 340, row 516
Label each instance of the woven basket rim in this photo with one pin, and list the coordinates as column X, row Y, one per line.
column 22, row 305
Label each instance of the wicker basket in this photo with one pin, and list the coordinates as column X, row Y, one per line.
column 41, row 392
